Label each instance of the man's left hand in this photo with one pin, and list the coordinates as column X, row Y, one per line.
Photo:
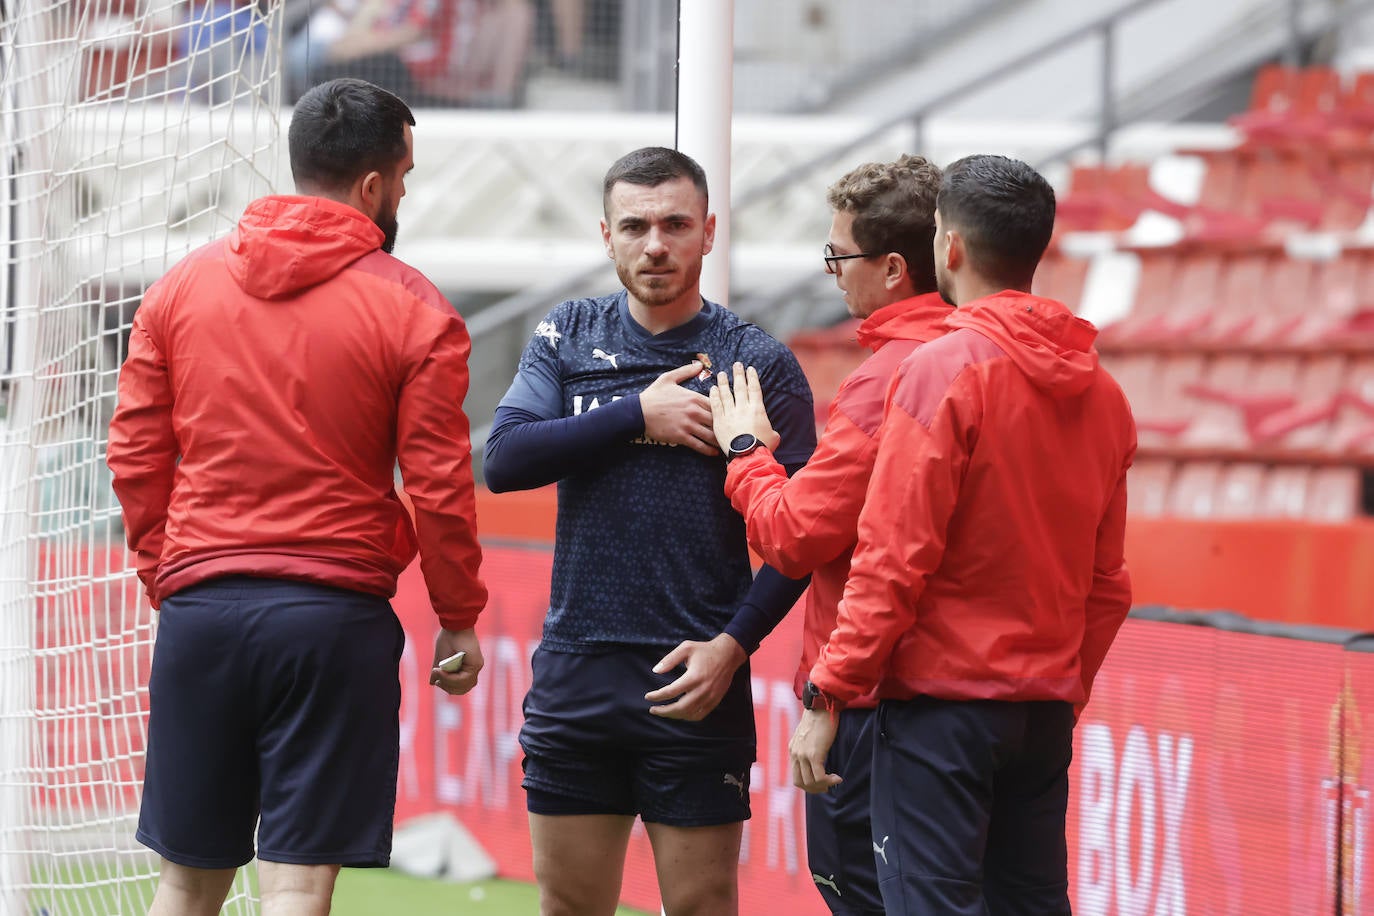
column 711, row 666
column 739, row 410
column 809, row 747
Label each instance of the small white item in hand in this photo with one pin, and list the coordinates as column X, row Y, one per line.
column 452, row 663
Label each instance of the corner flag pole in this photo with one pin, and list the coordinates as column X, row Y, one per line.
column 705, row 79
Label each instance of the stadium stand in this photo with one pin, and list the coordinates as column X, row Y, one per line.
column 1248, row 347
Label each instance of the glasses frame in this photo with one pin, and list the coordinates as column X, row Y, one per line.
column 832, row 260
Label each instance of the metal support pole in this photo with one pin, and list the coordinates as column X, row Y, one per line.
column 705, row 104
column 1108, row 121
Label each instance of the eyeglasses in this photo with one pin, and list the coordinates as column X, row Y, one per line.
column 832, row 260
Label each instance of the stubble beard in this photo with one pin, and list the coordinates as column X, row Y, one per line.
column 651, row 291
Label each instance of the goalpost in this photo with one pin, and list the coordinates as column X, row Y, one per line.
column 132, row 132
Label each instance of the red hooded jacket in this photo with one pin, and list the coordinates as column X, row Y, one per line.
column 274, row 379
column 809, row 523
column 990, row 560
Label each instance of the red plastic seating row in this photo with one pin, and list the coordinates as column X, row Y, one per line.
column 1244, row 490
column 1283, row 407
column 1303, row 105
column 1249, row 298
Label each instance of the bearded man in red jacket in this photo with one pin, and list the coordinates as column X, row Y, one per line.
column 989, row 578
column 274, row 380
column 880, row 253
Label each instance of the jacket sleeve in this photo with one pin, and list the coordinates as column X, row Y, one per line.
column 435, row 455
column 923, row 450
column 798, row 524
column 143, row 446
column 1110, row 599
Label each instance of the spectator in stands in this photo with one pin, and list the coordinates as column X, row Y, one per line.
column 358, row 38
column 223, row 42
column 989, row 580
column 650, row 569
column 439, row 53
column 880, row 253
column 274, row 380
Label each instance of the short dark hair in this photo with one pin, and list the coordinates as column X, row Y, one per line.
column 1003, row 209
column 894, row 211
column 343, row 129
column 651, row 166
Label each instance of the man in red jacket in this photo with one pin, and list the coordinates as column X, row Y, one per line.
column 273, row 381
column 989, row 580
column 879, row 251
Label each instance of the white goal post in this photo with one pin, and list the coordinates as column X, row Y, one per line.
column 131, row 132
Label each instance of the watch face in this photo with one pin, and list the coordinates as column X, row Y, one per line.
column 744, row 442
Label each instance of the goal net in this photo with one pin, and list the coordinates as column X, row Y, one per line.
column 131, row 132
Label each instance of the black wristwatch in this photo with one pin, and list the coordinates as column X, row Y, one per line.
column 742, row 445
column 813, row 697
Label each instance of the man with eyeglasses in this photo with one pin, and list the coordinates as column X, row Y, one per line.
column 989, row 580
column 880, row 254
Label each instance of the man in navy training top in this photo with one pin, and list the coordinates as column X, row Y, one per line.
column 651, row 571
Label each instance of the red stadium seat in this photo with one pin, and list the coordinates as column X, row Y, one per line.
column 1284, row 493
column 1288, row 299
column 1236, row 393
column 1194, row 491
column 1334, row 495
column 1240, row 292
column 1147, row 486
column 1239, row 488
column 1306, row 425
column 1162, row 412
column 1061, row 277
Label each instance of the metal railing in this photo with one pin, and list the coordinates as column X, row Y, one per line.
column 499, row 331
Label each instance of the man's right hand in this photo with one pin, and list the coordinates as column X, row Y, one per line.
column 464, row 679
column 678, row 415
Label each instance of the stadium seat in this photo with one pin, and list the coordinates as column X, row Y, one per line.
column 1284, row 492
column 1148, row 486
column 1334, row 494
column 1228, row 401
column 1240, row 292
column 1195, row 490
column 1153, row 300
column 1239, row 487
column 1289, row 291
column 1061, row 277
column 1305, row 426
column 1154, row 386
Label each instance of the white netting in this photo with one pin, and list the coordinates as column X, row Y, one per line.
column 133, row 131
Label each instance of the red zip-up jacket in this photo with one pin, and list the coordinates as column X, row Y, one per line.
column 990, row 560
column 809, row 523
column 274, row 379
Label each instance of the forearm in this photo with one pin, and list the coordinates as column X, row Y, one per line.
column 525, row 451
column 770, row 597
column 801, row 523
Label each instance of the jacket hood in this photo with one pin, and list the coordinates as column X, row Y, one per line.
column 283, row 245
column 920, row 318
column 1050, row 344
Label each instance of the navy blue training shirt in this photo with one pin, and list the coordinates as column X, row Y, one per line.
column 648, row 550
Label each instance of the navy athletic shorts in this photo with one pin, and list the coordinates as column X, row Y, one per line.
column 592, row 747
column 968, row 807
column 839, row 836
column 272, row 698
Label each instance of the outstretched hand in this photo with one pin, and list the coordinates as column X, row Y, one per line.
column 678, row 415
column 711, row 666
column 740, row 410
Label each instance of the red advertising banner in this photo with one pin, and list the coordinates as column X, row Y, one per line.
column 1208, row 776
column 1203, row 779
